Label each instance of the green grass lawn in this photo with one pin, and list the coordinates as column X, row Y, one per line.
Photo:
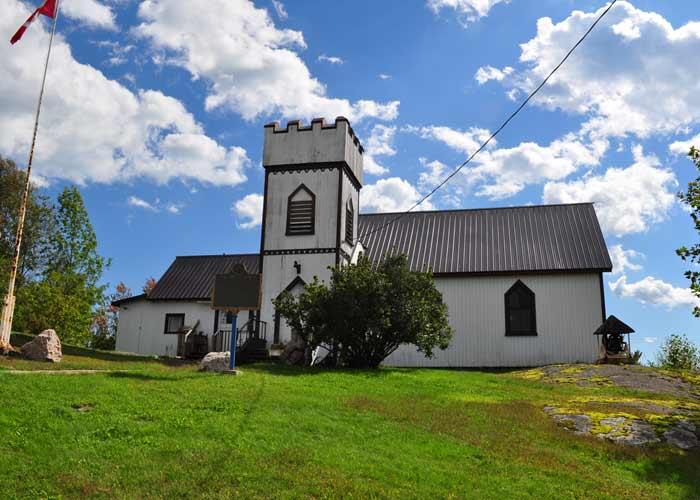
column 164, row 430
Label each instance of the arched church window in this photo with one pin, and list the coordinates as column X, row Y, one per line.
column 301, row 212
column 520, row 310
column 349, row 222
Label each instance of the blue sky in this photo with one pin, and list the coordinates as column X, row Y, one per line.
column 156, row 109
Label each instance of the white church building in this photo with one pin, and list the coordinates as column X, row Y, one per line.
column 523, row 285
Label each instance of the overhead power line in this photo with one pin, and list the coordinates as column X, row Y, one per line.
column 503, row 125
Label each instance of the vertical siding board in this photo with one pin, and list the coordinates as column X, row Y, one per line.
column 565, row 326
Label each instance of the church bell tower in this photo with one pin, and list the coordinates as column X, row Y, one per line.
column 313, row 177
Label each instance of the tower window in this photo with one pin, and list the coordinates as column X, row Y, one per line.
column 301, row 212
column 520, row 310
column 349, row 222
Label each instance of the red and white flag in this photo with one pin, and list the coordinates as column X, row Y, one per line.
column 48, row 9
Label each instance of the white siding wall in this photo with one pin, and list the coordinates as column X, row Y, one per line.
column 279, row 272
column 568, row 310
column 324, row 184
column 349, row 192
column 141, row 325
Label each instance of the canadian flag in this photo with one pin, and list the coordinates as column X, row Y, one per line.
column 48, row 9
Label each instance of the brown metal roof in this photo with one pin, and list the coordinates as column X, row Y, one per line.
column 128, row 300
column 546, row 238
column 192, row 277
column 613, row 325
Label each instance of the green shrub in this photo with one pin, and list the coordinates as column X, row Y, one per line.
column 365, row 313
column 678, row 353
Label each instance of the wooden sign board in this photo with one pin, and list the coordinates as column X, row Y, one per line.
column 237, row 292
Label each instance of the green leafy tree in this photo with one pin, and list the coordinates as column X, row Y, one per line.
column 678, row 353
column 69, row 293
column 366, row 313
column 106, row 320
column 692, row 253
column 60, row 301
column 74, row 242
column 38, row 227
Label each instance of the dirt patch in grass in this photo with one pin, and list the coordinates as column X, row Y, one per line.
column 82, row 407
column 84, row 488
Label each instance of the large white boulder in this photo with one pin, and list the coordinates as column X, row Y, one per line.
column 215, row 362
column 44, row 347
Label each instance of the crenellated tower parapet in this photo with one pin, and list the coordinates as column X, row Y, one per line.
column 316, row 144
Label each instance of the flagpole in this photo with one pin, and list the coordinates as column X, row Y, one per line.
column 8, row 309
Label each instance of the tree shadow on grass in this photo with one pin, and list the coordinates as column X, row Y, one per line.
column 681, row 468
column 149, row 377
column 281, row 369
column 19, row 339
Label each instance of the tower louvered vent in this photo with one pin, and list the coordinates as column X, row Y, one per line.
column 301, row 212
column 349, row 223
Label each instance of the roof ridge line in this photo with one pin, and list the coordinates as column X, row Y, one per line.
column 480, row 209
column 217, row 255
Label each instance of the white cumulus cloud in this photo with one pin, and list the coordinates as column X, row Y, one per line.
column 434, row 172
column 155, row 206
column 627, row 200
column 94, row 129
column 682, row 147
column 173, row 208
column 633, row 74
column 464, row 141
column 498, row 173
column 137, row 202
column 623, row 260
column 249, row 210
column 391, row 195
column 90, row 12
column 280, row 10
column 253, row 67
column 488, row 73
column 467, row 10
column 654, row 291
column 380, row 143
column 330, row 59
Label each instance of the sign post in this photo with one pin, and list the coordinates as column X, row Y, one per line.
column 234, row 292
column 234, row 340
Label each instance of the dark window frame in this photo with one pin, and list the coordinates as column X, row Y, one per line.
column 167, row 317
column 291, row 204
column 350, row 222
column 519, row 286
